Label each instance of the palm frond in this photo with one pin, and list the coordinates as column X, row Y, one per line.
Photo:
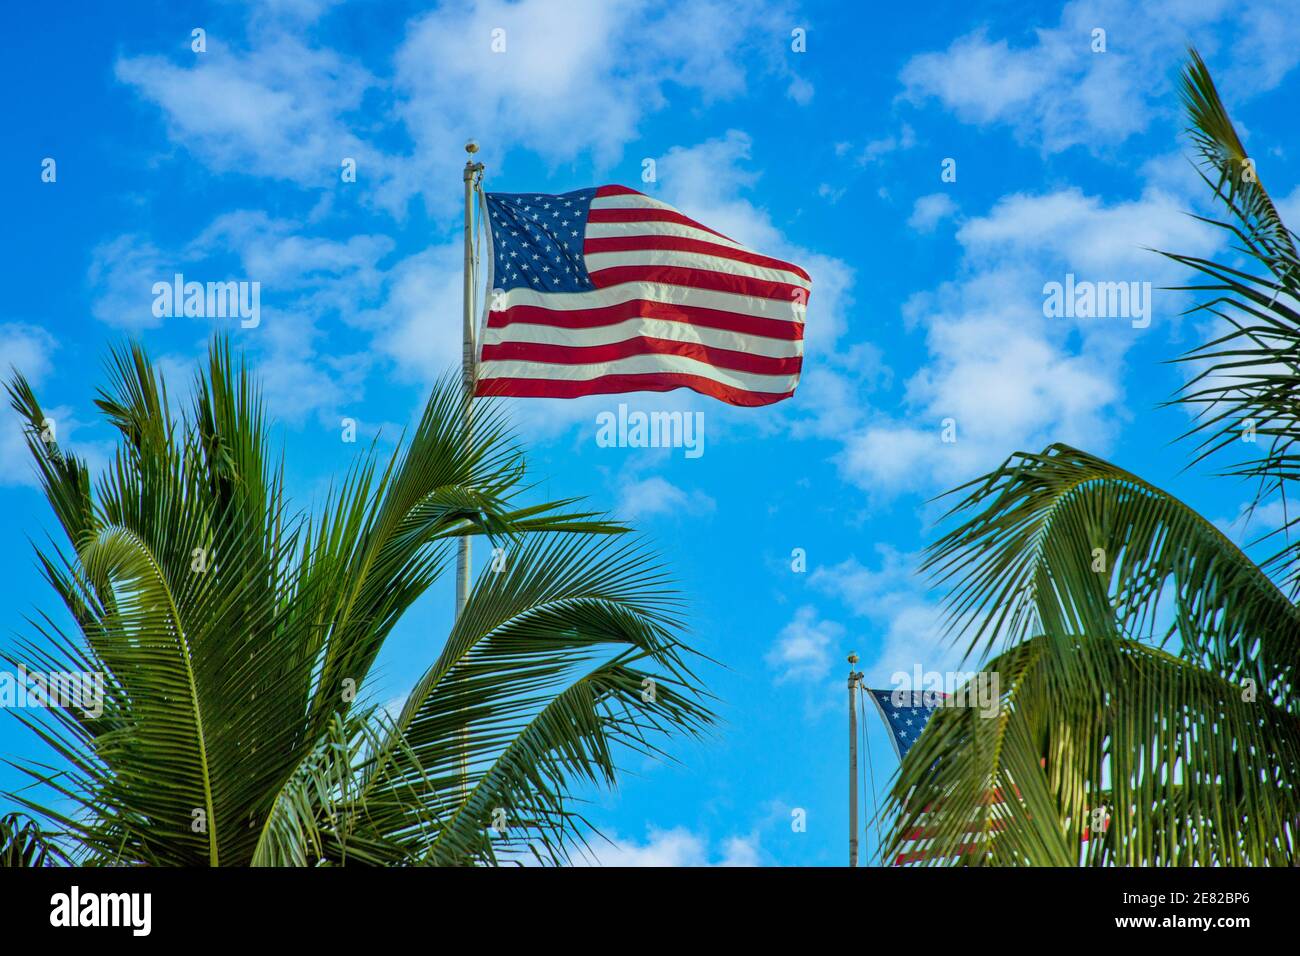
column 1248, row 376
column 562, row 659
column 1230, row 171
column 1159, row 763
column 24, row 844
column 1064, row 543
column 234, row 637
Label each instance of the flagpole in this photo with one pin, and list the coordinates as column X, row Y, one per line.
column 854, row 677
column 473, row 171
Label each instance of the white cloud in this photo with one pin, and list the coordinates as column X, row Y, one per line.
column 740, row 851
column 800, row 90
column 1085, row 232
column 122, row 273
column 301, row 383
column 673, row 847
column 29, row 350
column 528, row 75
column 563, row 64
column 1289, row 208
column 929, row 210
column 418, row 324
column 894, row 597
column 877, row 149
column 657, row 496
column 999, row 372
column 302, row 279
column 1258, row 524
column 278, row 111
column 1056, row 92
column 981, row 80
column 831, row 194
column 803, row 650
column 276, row 253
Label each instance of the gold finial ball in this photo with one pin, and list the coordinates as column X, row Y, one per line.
column 471, row 147
column 853, row 658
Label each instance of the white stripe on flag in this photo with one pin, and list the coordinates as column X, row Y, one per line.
column 654, row 292
column 629, row 201
column 648, row 328
column 691, row 260
column 619, row 230
column 637, row 364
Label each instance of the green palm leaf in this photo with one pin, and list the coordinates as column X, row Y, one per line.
column 23, row 844
column 235, row 638
column 561, row 660
column 1249, row 373
column 1147, row 666
column 1079, row 572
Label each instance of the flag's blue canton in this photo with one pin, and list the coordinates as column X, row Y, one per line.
column 537, row 240
column 905, row 722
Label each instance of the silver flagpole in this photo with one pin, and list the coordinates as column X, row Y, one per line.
column 473, row 173
column 854, row 677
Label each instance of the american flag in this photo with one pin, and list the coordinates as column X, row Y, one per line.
column 608, row 290
column 905, row 714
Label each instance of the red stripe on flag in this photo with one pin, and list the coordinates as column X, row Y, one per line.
column 700, row 279
column 614, row 384
column 614, row 189
column 986, row 798
column 923, row 833
column 964, row 849
column 649, row 214
column 648, row 309
column 641, row 345
column 684, row 244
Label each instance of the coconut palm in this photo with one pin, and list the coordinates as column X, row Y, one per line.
column 1147, row 667
column 22, row 844
column 236, row 638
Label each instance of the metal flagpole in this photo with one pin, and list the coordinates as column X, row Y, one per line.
column 854, row 677
column 473, row 173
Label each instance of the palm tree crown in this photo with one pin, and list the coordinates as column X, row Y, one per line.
column 235, row 638
column 1147, row 666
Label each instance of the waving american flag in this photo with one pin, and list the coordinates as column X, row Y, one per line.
column 905, row 714
column 607, row 290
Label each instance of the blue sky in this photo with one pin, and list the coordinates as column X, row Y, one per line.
column 926, row 306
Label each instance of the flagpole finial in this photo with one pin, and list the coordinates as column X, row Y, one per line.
column 853, row 658
column 473, row 170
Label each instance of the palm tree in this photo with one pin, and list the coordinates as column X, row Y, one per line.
column 235, row 638
column 1147, row 667
column 22, row 844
